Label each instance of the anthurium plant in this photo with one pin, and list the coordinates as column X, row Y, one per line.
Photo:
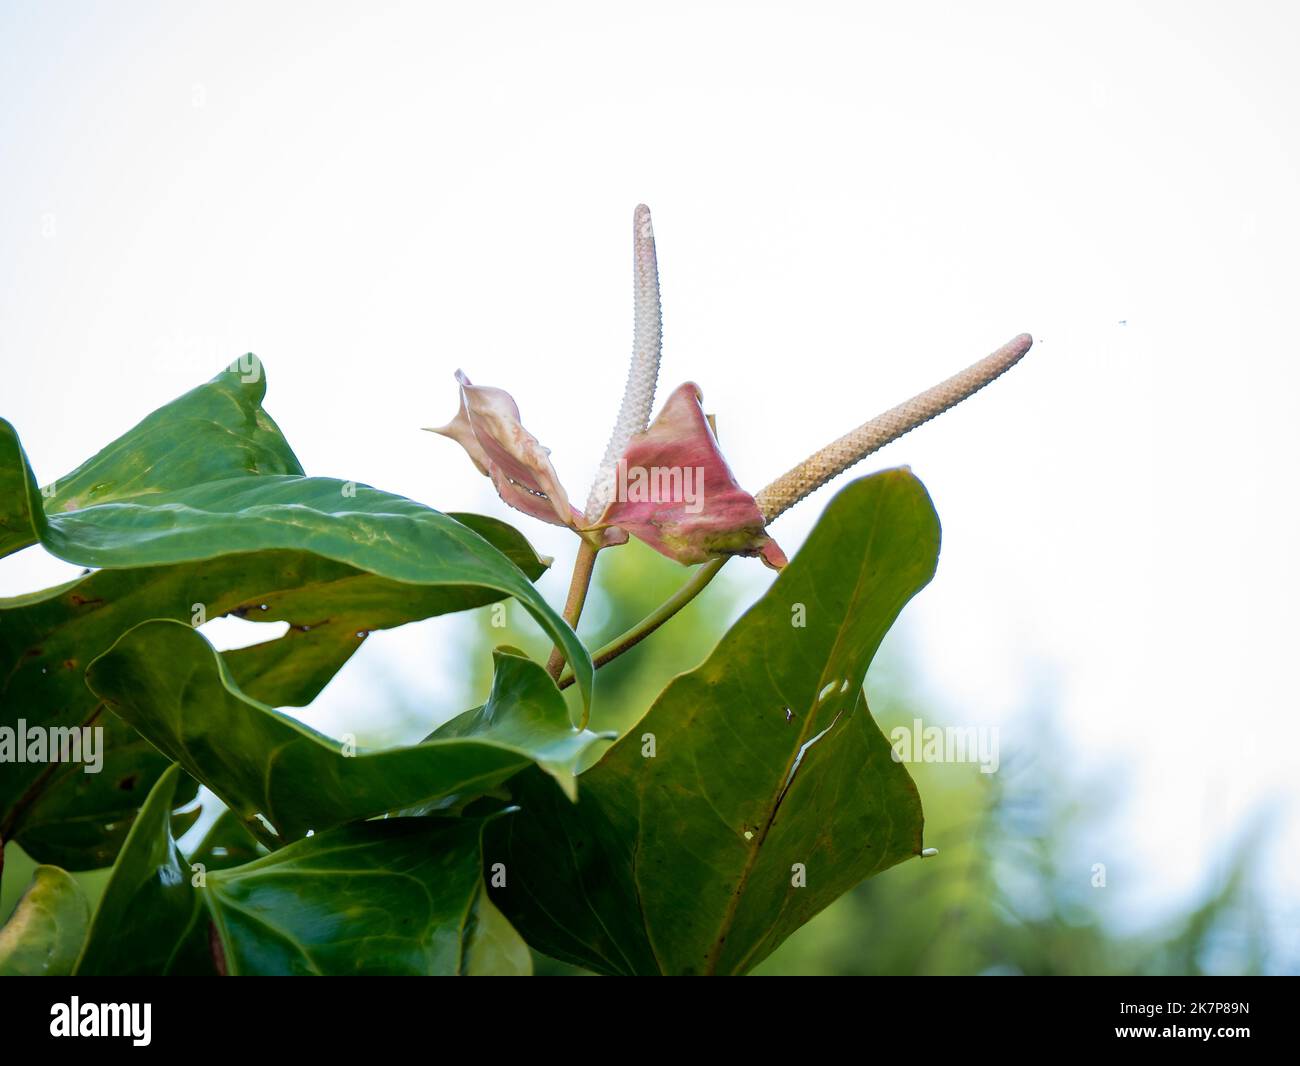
column 753, row 792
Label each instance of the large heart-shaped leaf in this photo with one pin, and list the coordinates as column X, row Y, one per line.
column 45, row 931
column 394, row 896
column 215, row 432
column 60, row 813
column 107, row 514
column 166, row 681
column 204, row 506
column 756, row 790
column 210, row 474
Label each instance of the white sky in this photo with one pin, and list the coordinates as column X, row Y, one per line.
column 851, row 202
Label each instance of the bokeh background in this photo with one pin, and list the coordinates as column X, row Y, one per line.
column 851, row 201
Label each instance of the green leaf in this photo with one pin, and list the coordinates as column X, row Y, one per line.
column 214, row 432
column 507, row 540
column 388, row 536
column 394, row 896
column 492, row 947
column 210, row 474
column 766, row 762
column 150, row 919
column 524, row 713
column 399, row 896
column 46, row 929
column 166, row 681
column 228, row 842
column 333, row 559
column 21, row 510
column 61, row 814
column 331, row 609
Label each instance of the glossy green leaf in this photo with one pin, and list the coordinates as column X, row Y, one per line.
column 492, row 947
column 756, row 790
column 393, row 896
column 61, row 814
column 21, row 510
column 214, row 432
column 210, row 474
column 165, row 680
column 150, row 919
column 332, row 608
column 227, row 842
column 388, row 536
column 46, row 930
column 398, row 896
column 202, row 506
column 79, row 820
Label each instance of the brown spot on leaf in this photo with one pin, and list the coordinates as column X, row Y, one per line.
column 218, row 952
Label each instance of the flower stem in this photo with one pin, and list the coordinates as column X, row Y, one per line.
column 583, row 567
column 679, row 599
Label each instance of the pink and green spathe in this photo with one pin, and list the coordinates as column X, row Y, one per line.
column 674, row 492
